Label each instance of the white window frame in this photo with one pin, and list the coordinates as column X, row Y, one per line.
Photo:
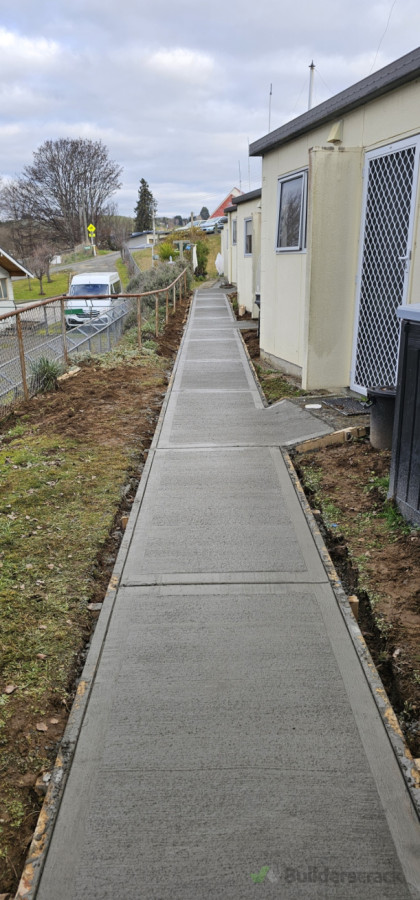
column 3, row 284
column 246, row 221
column 300, row 247
column 234, row 232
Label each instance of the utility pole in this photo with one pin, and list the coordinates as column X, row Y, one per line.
column 311, row 84
column 153, row 238
column 269, row 108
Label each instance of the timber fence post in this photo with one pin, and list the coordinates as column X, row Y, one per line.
column 139, row 322
column 22, row 356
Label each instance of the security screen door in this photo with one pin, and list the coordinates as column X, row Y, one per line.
column 390, row 181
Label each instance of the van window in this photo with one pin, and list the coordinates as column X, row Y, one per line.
column 77, row 290
column 116, row 287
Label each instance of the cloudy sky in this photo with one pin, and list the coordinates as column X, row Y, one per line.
column 176, row 88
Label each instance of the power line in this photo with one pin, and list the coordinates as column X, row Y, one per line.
column 380, row 42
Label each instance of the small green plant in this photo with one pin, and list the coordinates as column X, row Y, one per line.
column 393, row 518
column 202, row 257
column 150, row 345
column 379, row 483
column 44, row 374
column 167, row 251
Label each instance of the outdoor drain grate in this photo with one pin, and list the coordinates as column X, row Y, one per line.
column 347, row 406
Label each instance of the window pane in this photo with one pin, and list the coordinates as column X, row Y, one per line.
column 234, row 231
column 290, row 212
column 248, row 236
column 3, row 289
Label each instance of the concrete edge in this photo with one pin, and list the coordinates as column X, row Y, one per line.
column 38, row 849
column 254, row 372
column 407, row 764
column 343, row 436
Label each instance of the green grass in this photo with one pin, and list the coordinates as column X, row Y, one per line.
column 275, row 386
column 27, row 290
column 78, row 256
column 143, row 258
column 42, row 480
column 49, row 540
column 123, row 272
column 214, row 243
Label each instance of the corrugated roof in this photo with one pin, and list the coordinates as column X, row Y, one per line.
column 400, row 72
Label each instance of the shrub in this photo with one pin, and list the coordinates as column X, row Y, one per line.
column 44, row 374
column 202, row 257
column 159, row 276
column 166, row 251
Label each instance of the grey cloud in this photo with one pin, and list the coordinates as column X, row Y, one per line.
column 176, row 90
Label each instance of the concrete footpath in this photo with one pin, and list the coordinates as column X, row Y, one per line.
column 231, row 747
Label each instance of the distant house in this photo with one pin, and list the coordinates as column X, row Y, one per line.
column 9, row 268
column 235, row 192
column 340, row 231
column 241, row 246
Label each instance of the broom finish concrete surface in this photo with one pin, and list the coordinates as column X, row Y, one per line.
column 231, row 746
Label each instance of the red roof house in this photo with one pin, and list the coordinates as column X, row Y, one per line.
column 220, row 211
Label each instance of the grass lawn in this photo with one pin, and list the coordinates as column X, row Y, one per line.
column 26, row 290
column 143, row 258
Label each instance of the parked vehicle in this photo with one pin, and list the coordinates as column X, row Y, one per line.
column 90, row 294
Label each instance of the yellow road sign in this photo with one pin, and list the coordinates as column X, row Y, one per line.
column 91, row 229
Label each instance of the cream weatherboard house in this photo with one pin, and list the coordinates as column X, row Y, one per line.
column 241, row 246
column 340, row 231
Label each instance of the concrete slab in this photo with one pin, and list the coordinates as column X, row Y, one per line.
column 215, row 419
column 214, row 751
column 221, row 511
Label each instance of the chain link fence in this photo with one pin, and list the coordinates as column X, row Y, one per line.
column 36, row 334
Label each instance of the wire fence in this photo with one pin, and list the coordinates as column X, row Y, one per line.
column 37, row 334
column 129, row 260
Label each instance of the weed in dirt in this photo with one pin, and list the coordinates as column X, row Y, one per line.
column 276, row 386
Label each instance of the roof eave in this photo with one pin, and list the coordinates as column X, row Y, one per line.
column 12, row 266
column 247, row 198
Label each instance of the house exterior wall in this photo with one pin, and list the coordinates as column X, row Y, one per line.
column 6, row 304
column 308, row 297
column 247, row 265
column 230, row 250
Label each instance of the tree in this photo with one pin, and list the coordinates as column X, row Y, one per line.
column 204, row 214
column 39, row 262
column 70, row 179
column 146, row 207
column 21, row 230
column 112, row 229
column 178, row 221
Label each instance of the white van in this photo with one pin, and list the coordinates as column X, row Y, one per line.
column 96, row 291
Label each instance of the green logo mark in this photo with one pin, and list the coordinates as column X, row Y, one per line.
column 258, row 877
